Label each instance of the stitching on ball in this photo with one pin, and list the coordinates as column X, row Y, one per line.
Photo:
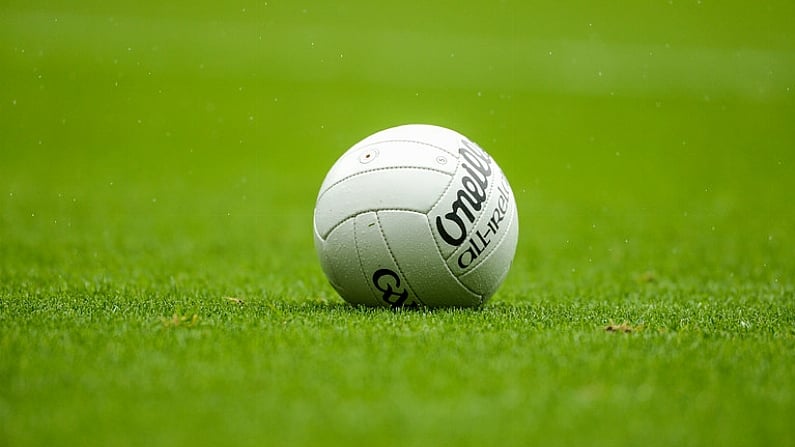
column 339, row 224
column 447, row 267
column 394, row 260
column 423, row 143
column 361, row 264
column 389, row 168
column 492, row 187
column 446, row 189
column 374, row 210
column 497, row 246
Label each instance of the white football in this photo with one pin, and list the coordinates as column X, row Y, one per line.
column 416, row 215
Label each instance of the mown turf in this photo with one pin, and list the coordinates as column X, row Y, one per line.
column 158, row 169
column 112, row 367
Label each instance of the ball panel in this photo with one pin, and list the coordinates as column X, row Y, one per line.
column 388, row 154
column 341, row 265
column 457, row 213
column 440, row 137
column 487, row 276
column 384, row 278
column 410, row 241
column 399, row 188
column 489, row 228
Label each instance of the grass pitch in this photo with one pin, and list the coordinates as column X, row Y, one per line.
column 159, row 165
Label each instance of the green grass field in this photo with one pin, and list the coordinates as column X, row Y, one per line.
column 159, row 164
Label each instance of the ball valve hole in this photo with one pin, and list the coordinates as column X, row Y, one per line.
column 368, row 156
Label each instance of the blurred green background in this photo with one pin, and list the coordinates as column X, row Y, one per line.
column 171, row 152
column 664, row 124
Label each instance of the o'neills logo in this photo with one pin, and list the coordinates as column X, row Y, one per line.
column 469, row 198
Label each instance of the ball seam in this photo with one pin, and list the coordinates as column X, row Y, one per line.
column 372, row 210
column 387, row 168
column 447, row 267
column 359, row 258
column 392, row 255
column 422, row 143
column 482, row 214
column 514, row 217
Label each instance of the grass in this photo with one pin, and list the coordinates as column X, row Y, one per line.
column 324, row 373
column 156, row 161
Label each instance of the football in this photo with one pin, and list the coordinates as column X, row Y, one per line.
column 416, row 215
